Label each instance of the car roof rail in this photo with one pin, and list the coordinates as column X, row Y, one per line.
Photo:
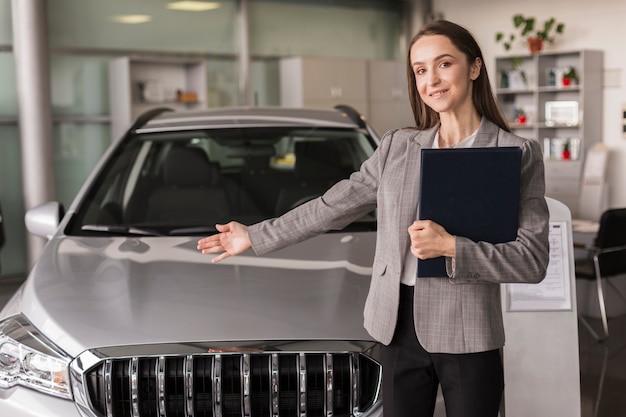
column 146, row 116
column 353, row 114
column 357, row 118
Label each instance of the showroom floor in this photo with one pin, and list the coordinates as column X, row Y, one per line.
column 602, row 365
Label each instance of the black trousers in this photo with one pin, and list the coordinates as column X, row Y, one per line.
column 472, row 383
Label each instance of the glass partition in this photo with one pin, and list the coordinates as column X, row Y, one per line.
column 288, row 29
column 141, row 26
column 79, row 85
column 8, row 93
column 13, row 253
column 77, row 149
column 6, row 28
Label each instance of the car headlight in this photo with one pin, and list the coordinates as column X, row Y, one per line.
column 29, row 359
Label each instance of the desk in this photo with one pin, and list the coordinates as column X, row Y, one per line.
column 584, row 226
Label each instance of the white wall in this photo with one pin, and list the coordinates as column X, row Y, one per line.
column 592, row 25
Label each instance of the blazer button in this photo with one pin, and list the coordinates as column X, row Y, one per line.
column 476, row 275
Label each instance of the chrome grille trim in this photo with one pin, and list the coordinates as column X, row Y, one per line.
column 301, row 363
column 245, row 372
column 306, row 379
column 274, row 383
column 217, row 385
column 160, row 372
column 188, row 365
column 108, row 387
column 328, row 365
column 133, row 369
column 354, row 383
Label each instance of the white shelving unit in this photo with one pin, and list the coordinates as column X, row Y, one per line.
column 540, row 84
column 138, row 84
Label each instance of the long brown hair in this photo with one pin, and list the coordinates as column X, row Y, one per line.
column 482, row 95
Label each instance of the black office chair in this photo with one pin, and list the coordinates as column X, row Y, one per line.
column 606, row 259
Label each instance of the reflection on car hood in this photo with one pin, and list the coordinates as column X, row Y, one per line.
column 111, row 291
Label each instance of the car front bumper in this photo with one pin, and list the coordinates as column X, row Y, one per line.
column 25, row 402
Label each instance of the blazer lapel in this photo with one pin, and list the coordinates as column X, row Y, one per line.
column 410, row 183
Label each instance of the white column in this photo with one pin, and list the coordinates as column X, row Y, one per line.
column 245, row 96
column 35, row 116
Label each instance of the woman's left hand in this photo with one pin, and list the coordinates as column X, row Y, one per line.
column 430, row 240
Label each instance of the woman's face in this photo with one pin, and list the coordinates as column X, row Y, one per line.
column 443, row 77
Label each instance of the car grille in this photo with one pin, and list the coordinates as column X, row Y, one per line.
column 234, row 384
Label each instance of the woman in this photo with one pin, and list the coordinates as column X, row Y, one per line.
column 434, row 331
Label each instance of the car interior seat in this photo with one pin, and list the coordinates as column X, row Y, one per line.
column 191, row 191
column 318, row 166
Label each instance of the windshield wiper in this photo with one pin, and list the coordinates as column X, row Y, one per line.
column 193, row 230
column 118, row 229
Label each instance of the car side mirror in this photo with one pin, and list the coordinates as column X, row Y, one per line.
column 43, row 220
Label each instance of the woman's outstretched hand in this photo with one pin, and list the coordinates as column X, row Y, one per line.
column 231, row 240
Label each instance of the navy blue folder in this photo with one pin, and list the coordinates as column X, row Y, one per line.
column 471, row 192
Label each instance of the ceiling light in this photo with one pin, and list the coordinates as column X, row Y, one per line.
column 193, row 6
column 131, row 18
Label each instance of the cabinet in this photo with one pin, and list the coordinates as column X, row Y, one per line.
column 323, row 82
column 566, row 119
column 137, row 84
column 389, row 106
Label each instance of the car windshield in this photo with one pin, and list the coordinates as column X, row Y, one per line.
column 184, row 182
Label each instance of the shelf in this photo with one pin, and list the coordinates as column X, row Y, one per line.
column 514, row 91
column 138, row 84
column 539, row 70
column 552, row 89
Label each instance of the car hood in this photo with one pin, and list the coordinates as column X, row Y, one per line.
column 89, row 292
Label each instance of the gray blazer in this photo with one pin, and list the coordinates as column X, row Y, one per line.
column 457, row 314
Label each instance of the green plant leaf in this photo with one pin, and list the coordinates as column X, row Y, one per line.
column 518, row 19
column 529, row 26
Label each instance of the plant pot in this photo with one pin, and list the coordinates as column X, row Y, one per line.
column 521, row 119
column 535, row 44
column 566, row 155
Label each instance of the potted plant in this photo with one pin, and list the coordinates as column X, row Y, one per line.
column 520, row 116
column 567, row 155
column 534, row 35
column 570, row 77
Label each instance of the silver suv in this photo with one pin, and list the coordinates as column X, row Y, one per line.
column 123, row 317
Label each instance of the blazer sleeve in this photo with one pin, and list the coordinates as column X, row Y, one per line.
column 526, row 258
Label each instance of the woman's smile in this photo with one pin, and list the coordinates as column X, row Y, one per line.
column 438, row 93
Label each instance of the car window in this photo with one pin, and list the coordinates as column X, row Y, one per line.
column 186, row 182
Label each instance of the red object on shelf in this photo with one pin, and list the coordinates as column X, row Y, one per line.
column 566, row 81
column 535, row 44
column 521, row 119
column 566, row 155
